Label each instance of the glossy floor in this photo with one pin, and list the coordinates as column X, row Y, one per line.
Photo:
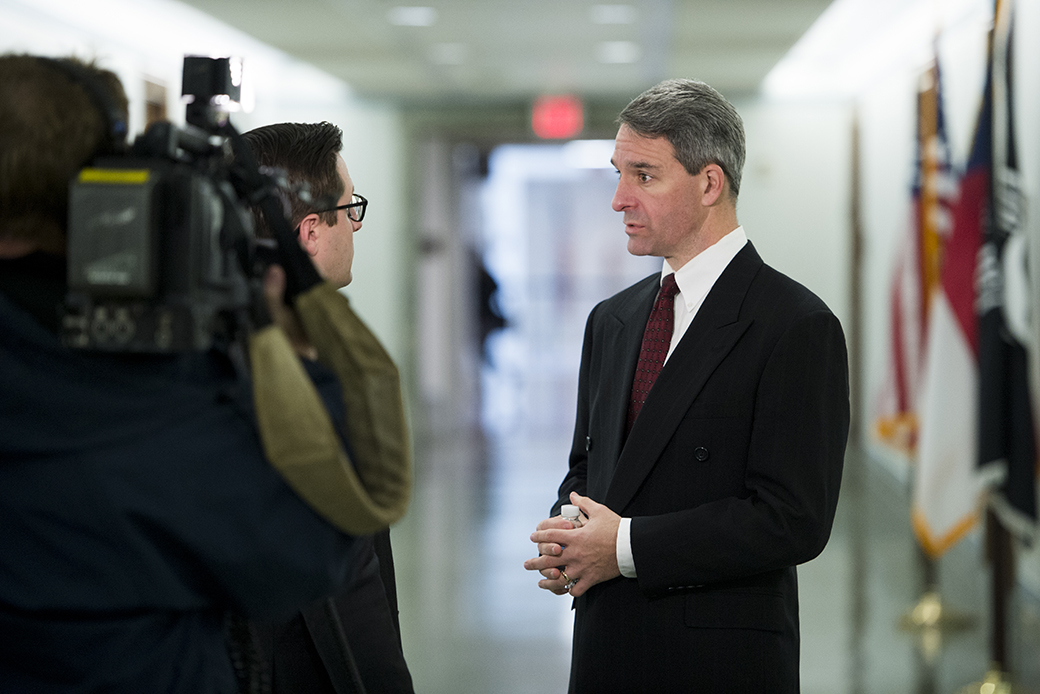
column 473, row 620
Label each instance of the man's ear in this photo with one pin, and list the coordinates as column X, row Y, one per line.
column 715, row 184
column 309, row 231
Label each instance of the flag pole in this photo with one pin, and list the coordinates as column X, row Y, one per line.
column 999, row 545
column 929, row 612
column 1000, row 553
column 929, row 618
column 1002, row 578
column 855, row 459
column 855, row 285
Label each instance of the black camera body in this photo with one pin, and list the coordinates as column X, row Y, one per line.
column 160, row 241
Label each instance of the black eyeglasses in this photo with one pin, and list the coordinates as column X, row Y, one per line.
column 355, row 208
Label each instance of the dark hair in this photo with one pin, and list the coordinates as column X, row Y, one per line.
column 51, row 125
column 307, row 152
column 700, row 124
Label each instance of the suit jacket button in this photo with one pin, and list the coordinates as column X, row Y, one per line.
column 701, row 454
column 588, row 444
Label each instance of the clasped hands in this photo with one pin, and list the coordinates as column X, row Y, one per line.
column 582, row 556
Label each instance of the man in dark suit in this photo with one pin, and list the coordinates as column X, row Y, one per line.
column 704, row 486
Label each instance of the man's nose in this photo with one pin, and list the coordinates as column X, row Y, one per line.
column 621, row 199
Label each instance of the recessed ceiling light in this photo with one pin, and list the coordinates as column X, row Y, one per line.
column 449, row 53
column 617, row 52
column 412, row 16
column 613, row 14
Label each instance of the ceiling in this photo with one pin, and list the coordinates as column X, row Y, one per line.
column 497, row 51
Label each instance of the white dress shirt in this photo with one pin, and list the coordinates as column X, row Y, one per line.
column 695, row 279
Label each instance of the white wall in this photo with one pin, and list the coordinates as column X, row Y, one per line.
column 794, row 197
column 140, row 39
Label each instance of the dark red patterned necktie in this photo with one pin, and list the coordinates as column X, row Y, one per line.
column 656, row 339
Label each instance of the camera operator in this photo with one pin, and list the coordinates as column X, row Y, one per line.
column 137, row 505
column 354, row 635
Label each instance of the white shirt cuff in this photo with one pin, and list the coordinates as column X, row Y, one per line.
column 625, row 561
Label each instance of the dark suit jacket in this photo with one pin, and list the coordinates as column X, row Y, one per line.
column 730, row 474
column 349, row 643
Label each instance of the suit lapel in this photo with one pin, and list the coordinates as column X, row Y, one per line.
column 712, row 335
column 623, row 338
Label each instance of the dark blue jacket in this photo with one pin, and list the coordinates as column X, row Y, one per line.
column 136, row 508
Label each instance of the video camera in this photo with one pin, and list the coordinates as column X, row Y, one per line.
column 161, row 251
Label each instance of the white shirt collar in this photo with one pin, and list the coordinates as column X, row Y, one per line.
column 698, row 276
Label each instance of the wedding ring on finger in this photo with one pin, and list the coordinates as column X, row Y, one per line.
column 570, row 582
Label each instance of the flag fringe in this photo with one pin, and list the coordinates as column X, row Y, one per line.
column 935, row 546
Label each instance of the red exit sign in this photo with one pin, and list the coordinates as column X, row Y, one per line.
column 557, row 117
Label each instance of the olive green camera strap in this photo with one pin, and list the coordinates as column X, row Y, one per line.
column 297, row 432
